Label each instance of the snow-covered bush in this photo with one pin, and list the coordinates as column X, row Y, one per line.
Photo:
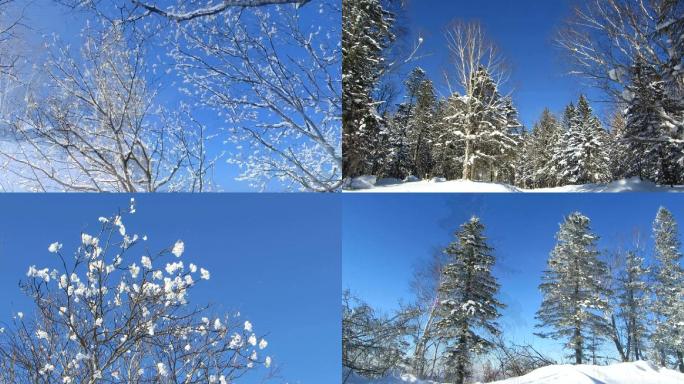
column 114, row 312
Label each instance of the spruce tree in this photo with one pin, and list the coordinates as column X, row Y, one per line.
column 421, row 133
column 401, row 126
column 644, row 132
column 545, row 137
column 366, row 34
column 668, row 289
column 573, row 288
column 581, row 155
column 450, row 144
column 468, row 308
column 632, row 299
column 619, row 159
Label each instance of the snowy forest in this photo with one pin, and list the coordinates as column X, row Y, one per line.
column 166, row 95
column 623, row 304
column 397, row 127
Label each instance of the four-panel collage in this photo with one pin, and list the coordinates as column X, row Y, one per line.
column 341, row 191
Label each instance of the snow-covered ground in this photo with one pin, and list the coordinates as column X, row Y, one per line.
column 639, row 372
column 370, row 184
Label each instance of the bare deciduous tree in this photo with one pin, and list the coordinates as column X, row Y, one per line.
column 106, row 314
column 96, row 126
column 276, row 84
column 607, row 37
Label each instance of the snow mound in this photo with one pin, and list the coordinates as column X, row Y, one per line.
column 438, row 184
column 639, row 372
column 633, row 184
column 363, row 182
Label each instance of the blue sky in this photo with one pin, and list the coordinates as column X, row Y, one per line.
column 384, row 236
column 523, row 30
column 273, row 257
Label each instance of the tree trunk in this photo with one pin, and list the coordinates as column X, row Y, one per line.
column 680, row 361
column 419, row 353
column 466, row 161
column 616, row 339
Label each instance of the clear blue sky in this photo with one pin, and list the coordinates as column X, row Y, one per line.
column 273, row 257
column 523, row 30
column 384, row 236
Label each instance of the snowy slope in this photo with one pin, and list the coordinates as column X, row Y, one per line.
column 639, row 372
column 436, row 185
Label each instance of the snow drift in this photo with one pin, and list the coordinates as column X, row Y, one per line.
column 639, row 372
column 368, row 184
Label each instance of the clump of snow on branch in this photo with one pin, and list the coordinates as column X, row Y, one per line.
column 108, row 313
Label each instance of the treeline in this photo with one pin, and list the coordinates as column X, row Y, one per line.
column 474, row 132
column 592, row 302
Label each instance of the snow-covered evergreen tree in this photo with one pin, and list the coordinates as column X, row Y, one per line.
column 619, row 160
column 421, row 133
column 668, row 289
column 516, row 131
column 367, row 32
column 561, row 163
column 583, row 155
column 573, row 287
column 545, row 136
column 645, row 129
column 524, row 161
column 631, row 314
column 448, row 148
column 482, row 126
column 399, row 162
column 468, row 307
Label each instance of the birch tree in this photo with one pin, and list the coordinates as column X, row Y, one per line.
column 482, row 122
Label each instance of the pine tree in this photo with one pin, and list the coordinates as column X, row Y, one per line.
column 573, row 287
column 367, row 33
column 468, row 308
column 668, row 304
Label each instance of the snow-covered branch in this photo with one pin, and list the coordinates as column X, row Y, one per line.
column 112, row 312
column 95, row 126
column 276, row 85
